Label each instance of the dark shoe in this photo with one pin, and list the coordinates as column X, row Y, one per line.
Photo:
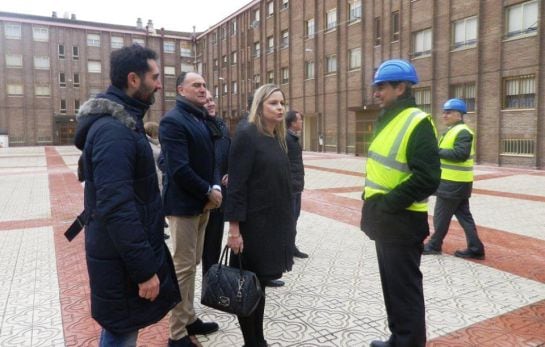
column 430, row 250
column 199, row 327
column 467, row 253
column 378, row 343
column 274, row 283
column 183, row 342
column 166, row 236
column 298, row 254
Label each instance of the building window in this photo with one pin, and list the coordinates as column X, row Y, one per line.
column 465, row 32
column 187, row 67
column 15, row 89
column 522, row 19
column 60, row 51
column 76, row 105
column 331, row 19
column 224, row 88
column 270, row 76
column 257, row 49
column 75, row 52
column 234, row 57
column 62, row 108
column 224, row 60
column 42, row 90
column 234, row 87
column 140, row 42
column 76, row 79
column 222, row 33
column 216, row 91
column 215, row 62
column 422, row 97
column 170, row 71
column 518, row 147
column 256, row 16
column 285, row 72
column 214, row 37
column 62, row 79
column 270, row 8
column 41, row 63
column 233, row 27
column 14, row 60
column 116, row 42
column 285, row 39
column 186, row 52
column 94, row 67
column 170, row 95
column 270, row 44
column 93, row 92
column 169, row 46
column 309, row 28
column 354, row 58
column 331, row 64
column 377, row 31
column 93, row 40
column 257, row 81
column 309, row 70
column 466, row 92
column 12, row 31
column 40, row 34
column 395, row 26
column 354, row 10
column 422, row 43
column 519, row 92
column 285, row 4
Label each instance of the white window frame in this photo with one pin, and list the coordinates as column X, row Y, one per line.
column 422, row 43
column 41, row 62
column 422, row 97
column 234, row 87
column 169, row 70
column 285, row 4
column 40, row 33
column 270, row 44
column 464, row 33
column 62, row 79
column 354, row 58
column 309, row 70
column 285, row 75
column 270, row 76
column 186, row 52
column 310, row 29
column 139, row 41
column 75, row 79
column 285, row 39
column 94, row 66
column 93, row 40
column 62, row 106
column 117, row 42
column 169, row 46
column 331, row 64
column 354, row 11
column 331, row 19
column 522, row 19
column 257, row 49
column 14, row 60
column 75, row 52
column 187, row 67
column 42, row 90
column 12, row 31
column 61, row 51
column 14, row 89
column 519, row 92
column 270, row 8
column 233, row 57
column 257, row 15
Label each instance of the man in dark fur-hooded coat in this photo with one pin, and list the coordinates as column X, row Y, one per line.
column 132, row 278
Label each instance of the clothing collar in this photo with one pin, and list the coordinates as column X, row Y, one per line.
column 188, row 106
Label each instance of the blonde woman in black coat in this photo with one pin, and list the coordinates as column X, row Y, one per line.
column 259, row 208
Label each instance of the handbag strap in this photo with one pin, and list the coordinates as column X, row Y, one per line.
column 223, row 259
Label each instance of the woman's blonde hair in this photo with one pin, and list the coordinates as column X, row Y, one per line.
column 152, row 129
column 256, row 113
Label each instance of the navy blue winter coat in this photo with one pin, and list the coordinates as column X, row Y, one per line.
column 124, row 240
column 188, row 150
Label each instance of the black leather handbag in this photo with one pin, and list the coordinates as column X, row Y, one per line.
column 229, row 289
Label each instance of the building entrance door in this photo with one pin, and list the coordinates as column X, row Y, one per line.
column 364, row 131
column 65, row 129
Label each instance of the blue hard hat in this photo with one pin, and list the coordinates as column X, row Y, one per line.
column 455, row 105
column 395, row 70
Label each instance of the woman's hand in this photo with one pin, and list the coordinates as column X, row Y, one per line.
column 234, row 240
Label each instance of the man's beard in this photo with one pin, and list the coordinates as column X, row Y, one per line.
column 144, row 96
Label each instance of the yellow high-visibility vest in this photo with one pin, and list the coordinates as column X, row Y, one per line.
column 386, row 165
column 456, row 171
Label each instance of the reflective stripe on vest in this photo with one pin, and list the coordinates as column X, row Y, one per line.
column 456, row 171
column 386, row 165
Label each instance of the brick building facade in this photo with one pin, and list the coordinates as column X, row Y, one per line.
column 323, row 54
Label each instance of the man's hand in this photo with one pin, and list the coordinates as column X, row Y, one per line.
column 149, row 289
column 215, row 197
column 225, row 180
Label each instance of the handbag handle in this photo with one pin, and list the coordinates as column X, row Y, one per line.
column 223, row 261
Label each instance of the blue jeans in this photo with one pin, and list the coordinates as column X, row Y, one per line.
column 109, row 339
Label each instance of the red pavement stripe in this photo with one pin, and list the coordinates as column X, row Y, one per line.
column 25, row 224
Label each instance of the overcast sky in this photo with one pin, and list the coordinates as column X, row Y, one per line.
column 179, row 15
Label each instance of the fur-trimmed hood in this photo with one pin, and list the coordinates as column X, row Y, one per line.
column 114, row 103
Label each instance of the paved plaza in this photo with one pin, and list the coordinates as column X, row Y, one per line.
column 333, row 298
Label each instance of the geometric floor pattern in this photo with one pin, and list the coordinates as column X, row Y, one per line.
column 333, row 298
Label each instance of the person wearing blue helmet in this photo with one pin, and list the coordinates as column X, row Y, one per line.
column 457, row 151
column 402, row 171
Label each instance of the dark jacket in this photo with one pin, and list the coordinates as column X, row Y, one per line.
column 260, row 200
column 124, row 241
column 295, row 155
column 460, row 153
column 385, row 217
column 221, row 150
column 188, row 150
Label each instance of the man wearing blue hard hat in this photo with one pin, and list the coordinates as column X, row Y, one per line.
column 457, row 152
column 402, row 171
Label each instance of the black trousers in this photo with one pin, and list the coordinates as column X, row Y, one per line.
column 252, row 326
column 212, row 239
column 296, row 198
column 442, row 215
column 399, row 266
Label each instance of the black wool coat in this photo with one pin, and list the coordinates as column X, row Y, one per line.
column 260, row 200
column 295, row 154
